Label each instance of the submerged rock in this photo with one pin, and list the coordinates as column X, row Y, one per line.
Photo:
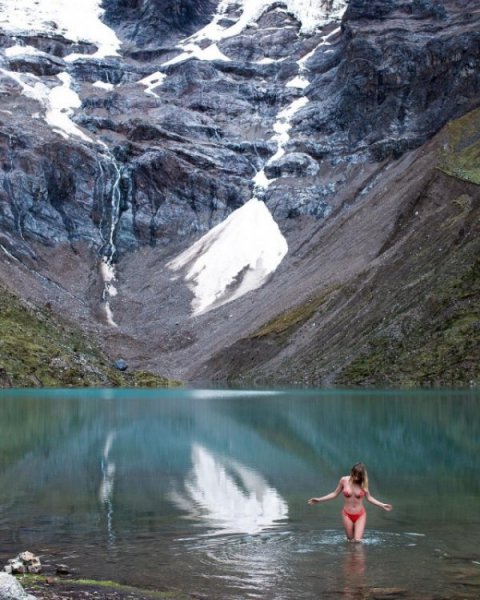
column 387, row 593
column 62, row 570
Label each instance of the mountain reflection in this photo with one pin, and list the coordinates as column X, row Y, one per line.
column 228, row 496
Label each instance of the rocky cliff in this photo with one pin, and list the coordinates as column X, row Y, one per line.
column 277, row 191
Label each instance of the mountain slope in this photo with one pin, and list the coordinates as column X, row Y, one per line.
column 411, row 317
column 248, row 190
column 38, row 350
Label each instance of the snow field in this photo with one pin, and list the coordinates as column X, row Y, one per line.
column 75, row 20
column 238, row 254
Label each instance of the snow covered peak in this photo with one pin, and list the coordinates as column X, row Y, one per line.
column 310, row 13
column 75, row 20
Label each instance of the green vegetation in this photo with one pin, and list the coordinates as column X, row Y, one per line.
column 37, row 349
column 442, row 349
column 461, row 156
column 289, row 321
column 35, row 583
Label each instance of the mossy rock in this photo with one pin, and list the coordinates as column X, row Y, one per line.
column 289, row 321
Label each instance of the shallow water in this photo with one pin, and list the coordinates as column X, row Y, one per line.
column 205, row 491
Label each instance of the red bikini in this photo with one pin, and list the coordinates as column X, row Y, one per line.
column 354, row 516
column 361, row 494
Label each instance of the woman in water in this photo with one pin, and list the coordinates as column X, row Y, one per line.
column 354, row 489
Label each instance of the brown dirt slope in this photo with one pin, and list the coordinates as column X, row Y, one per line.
column 411, row 316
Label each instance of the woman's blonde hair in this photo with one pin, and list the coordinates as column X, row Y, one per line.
column 359, row 469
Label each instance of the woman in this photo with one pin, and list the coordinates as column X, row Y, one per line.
column 354, row 489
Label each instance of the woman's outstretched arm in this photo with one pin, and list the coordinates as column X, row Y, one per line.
column 330, row 496
column 376, row 502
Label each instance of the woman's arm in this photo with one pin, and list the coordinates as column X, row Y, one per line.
column 376, row 502
column 330, row 496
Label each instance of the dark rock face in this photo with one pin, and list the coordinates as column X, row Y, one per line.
column 404, row 70
column 157, row 22
column 385, row 83
column 419, row 9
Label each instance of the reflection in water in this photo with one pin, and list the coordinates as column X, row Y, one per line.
column 354, row 566
column 419, row 447
column 106, row 487
column 229, row 496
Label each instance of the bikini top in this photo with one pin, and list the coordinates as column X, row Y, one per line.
column 348, row 493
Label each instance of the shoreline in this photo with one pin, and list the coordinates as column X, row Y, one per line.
column 47, row 587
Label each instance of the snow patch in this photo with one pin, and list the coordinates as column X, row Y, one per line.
column 298, row 82
column 235, row 257
column 268, row 61
column 61, row 102
column 310, row 13
column 261, row 181
column 23, row 51
column 283, row 126
column 191, row 50
column 107, row 273
column 58, row 102
column 102, row 85
column 76, row 21
column 153, row 81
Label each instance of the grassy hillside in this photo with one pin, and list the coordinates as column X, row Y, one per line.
column 37, row 349
column 440, row 347
column 461, row 154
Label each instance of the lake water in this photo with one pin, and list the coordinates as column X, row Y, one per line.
column 206, row 491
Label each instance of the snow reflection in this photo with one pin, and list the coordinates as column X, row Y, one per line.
column 229, row 496
column 105, row 493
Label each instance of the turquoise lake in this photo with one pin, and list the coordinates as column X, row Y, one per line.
column 206, row 491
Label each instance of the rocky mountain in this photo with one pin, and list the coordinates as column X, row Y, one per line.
column 248, row 190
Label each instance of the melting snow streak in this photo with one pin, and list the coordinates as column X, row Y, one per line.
column 58, row 101
column 235, row 257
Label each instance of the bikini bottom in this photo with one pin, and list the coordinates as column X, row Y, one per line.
column 354, row 516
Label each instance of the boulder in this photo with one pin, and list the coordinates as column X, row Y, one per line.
column 62, row 570
column 25, row 562
column 121, row 364
column 10, row 589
